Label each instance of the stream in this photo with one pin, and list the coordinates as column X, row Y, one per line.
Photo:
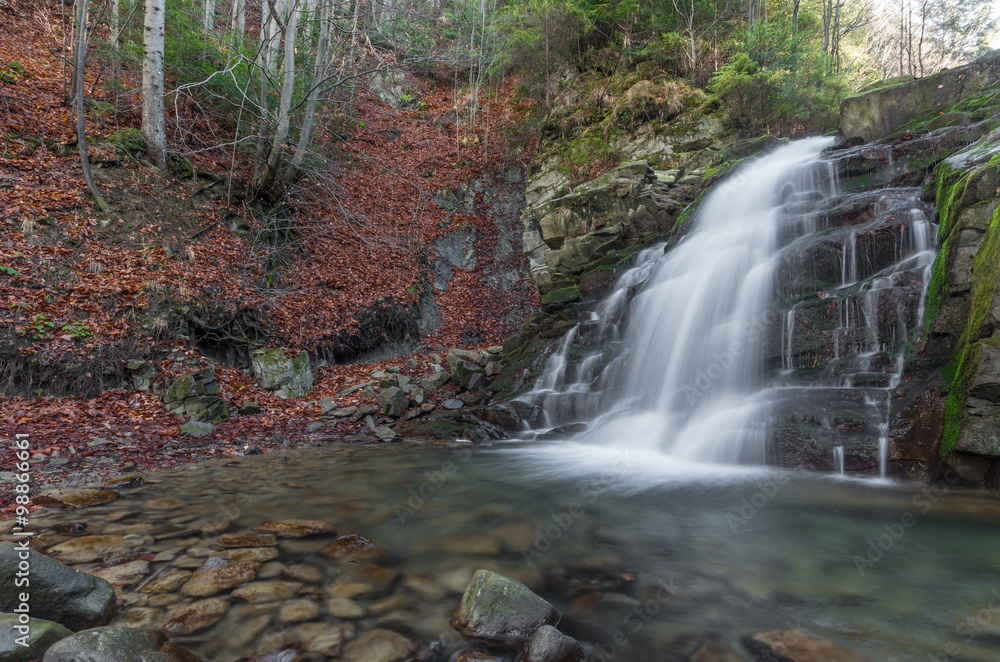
column 892, row 571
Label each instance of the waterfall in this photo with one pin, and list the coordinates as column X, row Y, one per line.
column 732, row 347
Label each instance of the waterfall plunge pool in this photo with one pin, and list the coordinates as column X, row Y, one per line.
column 892, row 571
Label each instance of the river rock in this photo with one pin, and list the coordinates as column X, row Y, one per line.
column 379, row 646
column 308, row 574
column 341, row 607
column 354, row 547
column 796, row 646
column 58, row 593
column 196, row 616
column 204, row 583
column 267, row 591
column 548, row 644
column 40, row 636
column 500, row 608
column 78, row 497
column 118, row 644
column 295, row 611
column 245, row 540
column 252, row 554
column 393, row 401
column 125, row 574
column 120, row 482
column 85, row 549
column 288, row 378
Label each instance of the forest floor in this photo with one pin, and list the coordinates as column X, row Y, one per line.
column 85, row 293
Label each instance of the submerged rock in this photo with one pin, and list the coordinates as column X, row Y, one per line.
column 296, row 528
column 353, row 547
column 204, row 583
column 796, row 646
column 58, row 593
column 74, row 497
column 500, row 608
column 379, row 646
column 118, row 644
column 196, row 616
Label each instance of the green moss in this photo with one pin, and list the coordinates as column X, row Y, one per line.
column 986, row 268
column 562, row 296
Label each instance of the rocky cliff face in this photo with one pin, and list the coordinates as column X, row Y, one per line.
column 944, row 128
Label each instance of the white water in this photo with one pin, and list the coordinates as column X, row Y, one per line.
column 691, row 361
column 673, row 377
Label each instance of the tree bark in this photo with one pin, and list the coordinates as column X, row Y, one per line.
column 81, row 126
column 274, row 159
column 154, row 126
column 319, row 75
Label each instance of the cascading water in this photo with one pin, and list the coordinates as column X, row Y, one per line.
column 788, row 303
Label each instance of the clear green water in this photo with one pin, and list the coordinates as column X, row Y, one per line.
column 737, row 554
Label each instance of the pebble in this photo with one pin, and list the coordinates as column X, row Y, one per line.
column 253, row 554
column 296, row 528
column 245, row 540
column 209, row 582
column 188, row 619
column 353, row 547
column 167, row 583
column 340, row 607
column 267, row 591
column 308, row 574
column 125, row 574
column 295, row 611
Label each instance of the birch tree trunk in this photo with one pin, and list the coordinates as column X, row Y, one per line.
column 115, row 38
column 274, row 159
column 154, row 126
column 239, row 18
column 208, row 17
column 319, row 75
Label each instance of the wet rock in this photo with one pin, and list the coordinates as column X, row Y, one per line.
column 796, row 646
column 118, row 644
column 354, row 547
column 204, row 583
column 140, row 617
column 288, row 378
column 252, row 554
column 548, row 644
column 351, row 589
column 245, row 540
column 296, row 611
column 121, row 482
column 196, row 616
column 705, row 648
column 80, row 497
column 426, row 587
column 125, row 574
column 328, row 641
column 267, row 591
column 500, row 608
column 308, row 574
column 75, row 599
column 40, row 635
column 477, row 656
column 384, row 433
column 85, row 549
column 340, row 607
column 379, row 646
column 168, row 583
column 393, row 401
column 452, row 404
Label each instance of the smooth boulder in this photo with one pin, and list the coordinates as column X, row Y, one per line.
column 39, row 636
column 548, row 644
column 500, row 608
column 58, row 593
column 118, row 644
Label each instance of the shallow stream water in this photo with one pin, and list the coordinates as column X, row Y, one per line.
column 892, row 571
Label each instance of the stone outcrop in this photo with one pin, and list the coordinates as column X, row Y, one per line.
column 288, row 378
column 196, row 395
column 565, row 237
column 876, row 113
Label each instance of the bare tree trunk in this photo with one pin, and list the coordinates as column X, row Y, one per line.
column 75, row 40
column 319, row 75
column 154, row 125
column 208, row 17
column 274, row 159
column 81, row 127
column 548, row 69
column 239, row 18
column 115, row 38
column 920, row 44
